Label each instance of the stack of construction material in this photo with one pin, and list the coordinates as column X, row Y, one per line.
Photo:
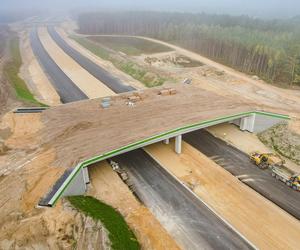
column 168, row 91
column 105, row 102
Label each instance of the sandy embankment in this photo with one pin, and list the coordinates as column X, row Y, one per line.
column 91, row 86
column 108, row 187
column 107, row 65
column 259, row 220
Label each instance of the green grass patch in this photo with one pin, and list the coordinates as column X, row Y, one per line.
column 95, row 49
column 11, row 70
column 131, row 46
column 130, row 68
column 120, row 235
column 138, row 73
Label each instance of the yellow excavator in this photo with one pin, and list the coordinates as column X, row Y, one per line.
column 266, row 160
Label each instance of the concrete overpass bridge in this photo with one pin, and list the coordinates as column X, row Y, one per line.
column 134, row 120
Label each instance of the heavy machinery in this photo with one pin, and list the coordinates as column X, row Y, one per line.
column 279, row 170
column 287, row 176
column 266, row 160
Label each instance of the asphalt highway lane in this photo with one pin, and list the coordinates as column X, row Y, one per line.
column 65, row 88
column 186, row 218
column 109, row 80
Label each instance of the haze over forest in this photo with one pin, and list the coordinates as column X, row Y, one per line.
column 255, row 8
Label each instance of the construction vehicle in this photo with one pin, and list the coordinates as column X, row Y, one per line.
column 266, row 160
column 121, row 172
column 287, row 176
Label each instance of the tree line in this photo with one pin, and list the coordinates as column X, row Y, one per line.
column 267, row 48
column 3, row 39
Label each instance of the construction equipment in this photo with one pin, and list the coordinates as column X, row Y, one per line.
column 121, row 172
column 266, row 160
column 287, row 176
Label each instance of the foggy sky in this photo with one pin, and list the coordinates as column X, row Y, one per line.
column 257, row 8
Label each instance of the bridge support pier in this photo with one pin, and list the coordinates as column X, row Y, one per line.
column 166, row 141
column 178, row 142
column 247, row 123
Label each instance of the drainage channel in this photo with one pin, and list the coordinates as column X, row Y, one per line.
column 30, row 110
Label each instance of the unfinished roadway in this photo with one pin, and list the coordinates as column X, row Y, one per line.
column 222, row 235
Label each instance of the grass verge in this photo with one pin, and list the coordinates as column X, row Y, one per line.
column 120, row 235
column 130, row 68
column 11, row 70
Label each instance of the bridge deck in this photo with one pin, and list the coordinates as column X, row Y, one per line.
column 80, row 130
column 82, row 133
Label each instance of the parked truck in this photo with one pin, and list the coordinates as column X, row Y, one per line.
column 287, row 176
